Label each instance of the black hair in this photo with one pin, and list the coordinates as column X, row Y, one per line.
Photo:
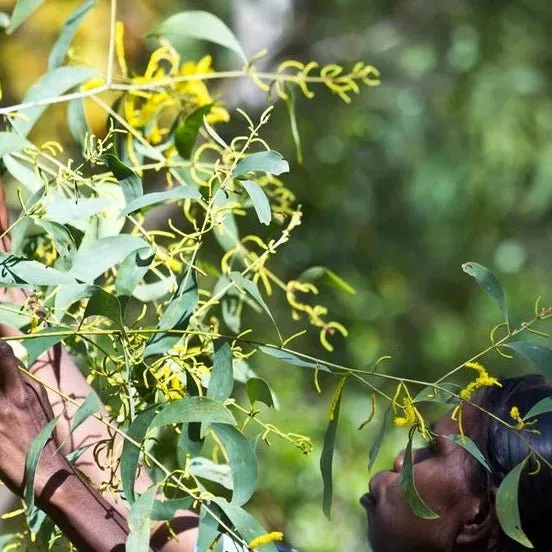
column 505, row 448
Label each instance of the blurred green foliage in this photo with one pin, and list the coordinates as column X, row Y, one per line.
column 449, row 160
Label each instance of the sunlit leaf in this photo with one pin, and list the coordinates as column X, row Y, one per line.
column 57, row 55
column 13, row 315
column 489, row 282
column 539, row 355
column 259, row 200
column 259, row 390
column 175, row 194
column 95, row 258
column 10, row 142
column 378, row 440
column 205, row 468
column 34, row 518
column 42, row 341
column 292, row 359
column 103, row 303
column 242, row 461
column 507, row 506
column 67, row 210
column 166, row 509
column 130, row 182
column 76, row 120
column 270, row 162
column 175, row 317
column 408, row 485
column 202, row 25
column 186, row 132
column 325, row 276
column 51, row 85
column 222, row 375
column 23, row 10
column 132, row 270
column 60, row 236
column 20, row 272
column 22, row 173
column 139, row 521
column 467, row 444
column 544, row 406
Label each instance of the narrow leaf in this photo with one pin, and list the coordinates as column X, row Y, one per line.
column 175, row 194
column 10, row 142
column 202, row 25
column 76, row 120
column 23, row 10
column 376, row 445
column 105, row 304
column 208, row 530
column 408, row 486
column 51, row 85
column 222, row 375
column 130, row 182
column 467, row 444
column 507, row 506
column 270, row 162
column 259, row 200
column 186, row 132
column 489, row 282
column 291, row 103
column 132, row 270
column 325, row 276
column 95, row 258
column 292, row 359
column 166, row 509
column 42, row 341
column 22, row 173
column 242, row 461
column 31, row 463
column 544, row 406
column 57, row 55
column 139, row 523
column 20, row 272
column 539, row 355
column 60, row 236
column 259, row 390
column 66, row 211
column 439, row 396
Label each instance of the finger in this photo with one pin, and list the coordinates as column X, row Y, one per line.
column 9, row 372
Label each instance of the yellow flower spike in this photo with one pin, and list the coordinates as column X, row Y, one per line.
column 120, row 48
column 331, row 328
column 265, row 539
column 482, row 380
column 515, row 415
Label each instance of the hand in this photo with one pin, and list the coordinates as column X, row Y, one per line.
column 24, row 411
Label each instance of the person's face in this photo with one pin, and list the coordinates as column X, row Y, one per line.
column 441, row 473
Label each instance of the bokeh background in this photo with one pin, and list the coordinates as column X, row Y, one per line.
column 449, row 160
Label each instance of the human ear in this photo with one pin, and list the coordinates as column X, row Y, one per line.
column 479, row 524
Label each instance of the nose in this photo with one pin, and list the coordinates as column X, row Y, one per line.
column 399, row 461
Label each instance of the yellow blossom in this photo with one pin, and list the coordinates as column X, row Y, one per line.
column 265, row 539
column 411, row 415
column 515, row 415
column 483, row 380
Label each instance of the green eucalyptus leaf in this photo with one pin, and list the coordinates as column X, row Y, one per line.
column 193, row 409
column 439, row 396
column 61, row 46
column 23, row 10
column 507, row 506
column 291, row 104
column 65, row 210
column 50, row 86
column 222, row 375
column 10, row 142
column 34, row 516
column 155, row 290
column 489, row 282
column 242, row 460
column 175, row 194
column 130, row 182
column 208, row 529
column 326, row 458
column 544, row 406
column 539, row 355
column 95, row 258
column 166, row 509
column 131, row 453
column 22, row 173
column 259, row 390
column 42, row 341
column 175, row 317
column 467, row 444
column 251, row 288
column 132, row 270
column 259, row 200
column 76, row 120
column 292, row 359
column 185, row 135
column 246, row 525
column 90, row 406
column 12, row 315
column 408, row 485
column 139, row 522
column 21, row 272
column 323, row 275
column 205, row 468
column 270, row 162
column 380, row 435
column 103, row 303
column 60, row 236
column 202, row 25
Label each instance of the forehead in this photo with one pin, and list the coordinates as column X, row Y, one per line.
column 470, row 417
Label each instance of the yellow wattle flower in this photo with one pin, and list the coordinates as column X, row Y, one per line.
column 483, row 380
column 265, row 539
